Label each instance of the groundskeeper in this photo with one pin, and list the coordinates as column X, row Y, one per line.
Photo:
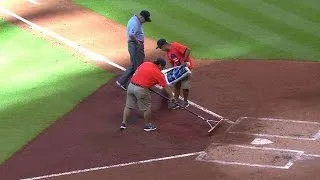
column 178, row 55
column 146, row 76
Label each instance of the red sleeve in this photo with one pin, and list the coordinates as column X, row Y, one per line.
column 181, row 48
column 160, row 78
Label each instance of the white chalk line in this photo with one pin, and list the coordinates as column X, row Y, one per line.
column 115, row 166
column 236, row 122
column 287, row 166
column 265, row 148
column 282, row 120
column 298, row 155
column 317, row 136
column 246, row 164
column 273, row 136
column 299, row 152
column 312, row 155
column 88, row 53
column 296, row 158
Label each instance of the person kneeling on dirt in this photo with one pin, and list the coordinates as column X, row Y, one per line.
column 147, row 75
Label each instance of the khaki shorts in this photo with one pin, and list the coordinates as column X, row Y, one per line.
column 184, row 83
column 137, row 95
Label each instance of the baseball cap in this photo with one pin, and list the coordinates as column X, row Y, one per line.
column 161, row 42
column 160, row 61
column 146, row 15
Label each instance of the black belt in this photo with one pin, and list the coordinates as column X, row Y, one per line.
column 137, row 84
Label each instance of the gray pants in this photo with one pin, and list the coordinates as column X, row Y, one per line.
column 136, row 59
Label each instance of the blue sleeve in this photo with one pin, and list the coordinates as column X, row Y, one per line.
column 132, row 27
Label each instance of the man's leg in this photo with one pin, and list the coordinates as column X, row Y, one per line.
column 130, row 103
column 185, row 86
column 177, row 89
column 135, row 60
column 144, row 104
column 185, row 97
column 126, row 116
column 125, row 77
column 147, row 116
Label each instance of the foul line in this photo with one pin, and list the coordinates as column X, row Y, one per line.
column 88, row 53
column 115, row 166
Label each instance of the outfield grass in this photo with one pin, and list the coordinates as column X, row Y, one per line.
column 268, row 29
column 39, row 83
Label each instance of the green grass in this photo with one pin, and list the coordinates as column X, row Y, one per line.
column 263, row 29
column 39, row 83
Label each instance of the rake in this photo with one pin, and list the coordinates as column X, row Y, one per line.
column 212, row 123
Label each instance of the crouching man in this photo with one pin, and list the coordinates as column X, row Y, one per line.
column 147, row 75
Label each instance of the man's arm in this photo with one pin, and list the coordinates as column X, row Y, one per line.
column 162, row 82
column 186, row 55
column 169, row 91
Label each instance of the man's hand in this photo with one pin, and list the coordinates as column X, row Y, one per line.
column 185, row 64
column 171, row 94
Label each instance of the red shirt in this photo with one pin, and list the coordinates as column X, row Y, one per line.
column 147, row 75
column 176, row 54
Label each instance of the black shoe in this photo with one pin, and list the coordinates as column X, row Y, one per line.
column 123, row 126
column 122, row 86
column 150, row 127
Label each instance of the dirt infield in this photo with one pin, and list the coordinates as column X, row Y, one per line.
column 88, row 136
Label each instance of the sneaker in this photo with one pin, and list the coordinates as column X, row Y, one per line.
column 150, row 127
column 175, row 106
column 122, row 86
column 186, row 104
column 123, row 126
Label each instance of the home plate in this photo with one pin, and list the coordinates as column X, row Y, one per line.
column 260, row 141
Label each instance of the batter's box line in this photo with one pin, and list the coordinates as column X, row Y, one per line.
column 314, row 138
column 298, row 155
column 280, row 120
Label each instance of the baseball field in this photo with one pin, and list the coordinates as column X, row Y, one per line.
column 256, row 65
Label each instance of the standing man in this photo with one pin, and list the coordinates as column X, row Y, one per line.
column 147, row 75
column 135, row 37
column 178, row 55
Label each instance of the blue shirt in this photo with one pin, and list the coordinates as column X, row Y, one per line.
column 134, row 27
